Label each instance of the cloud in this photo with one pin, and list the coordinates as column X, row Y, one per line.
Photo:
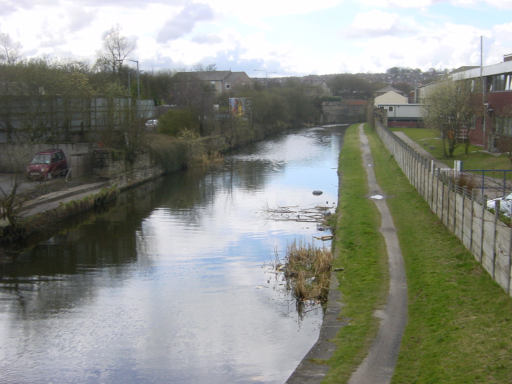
column 501, row 4
column 80, row 18
column 389, row 4
column 184, row 22
column 270, row 8
column 377, row 24
column 207, row 39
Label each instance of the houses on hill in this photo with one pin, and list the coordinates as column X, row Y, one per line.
column 397, row 109
column 219, row 81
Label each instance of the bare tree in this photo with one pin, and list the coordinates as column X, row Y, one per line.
column 450, row 108
column 9, row 204
column 116, row 49
column 9, row 50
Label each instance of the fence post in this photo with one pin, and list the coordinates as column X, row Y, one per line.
column 437, row 191
column 496, row 218
column 450, row 184
column 432, row 169
column 472, row 219
column 509, row 261
column 484, row 202
column 464, row 191
column 455, row 209
column 422, row 177
column 442, row 201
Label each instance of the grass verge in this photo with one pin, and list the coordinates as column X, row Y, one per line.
column 459, row 327
column 360, row 251
column 430, row 140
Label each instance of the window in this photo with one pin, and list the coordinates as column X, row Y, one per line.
column 390, row 109
column 228, row 85
column 500, row 83
column 504, row 126
column 472, row 126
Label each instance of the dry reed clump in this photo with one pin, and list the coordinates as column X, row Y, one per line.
column 207, row 159
column 307, row 271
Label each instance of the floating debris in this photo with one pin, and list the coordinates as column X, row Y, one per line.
column 294, row 213
column 324, row 238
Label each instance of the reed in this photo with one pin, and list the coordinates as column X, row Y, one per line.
column 307, row 271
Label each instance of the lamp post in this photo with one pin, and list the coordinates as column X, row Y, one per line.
column 138, row 74
column 138, row 77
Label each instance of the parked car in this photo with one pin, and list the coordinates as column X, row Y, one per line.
column 47, row 164
column 505, row 204
column 151, row 124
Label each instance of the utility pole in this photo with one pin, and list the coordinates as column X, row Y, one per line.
column 483, row 89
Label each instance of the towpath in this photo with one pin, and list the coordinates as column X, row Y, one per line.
column 379, row 364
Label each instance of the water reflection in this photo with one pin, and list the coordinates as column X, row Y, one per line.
column 171, row 284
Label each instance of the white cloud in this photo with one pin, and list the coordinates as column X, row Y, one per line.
column 377, row 23
column 184, row 22
column 400, row 3
column 270, row 8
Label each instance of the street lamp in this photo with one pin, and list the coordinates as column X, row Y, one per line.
column 138, row 76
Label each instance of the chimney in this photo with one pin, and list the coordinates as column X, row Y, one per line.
column 507, row 57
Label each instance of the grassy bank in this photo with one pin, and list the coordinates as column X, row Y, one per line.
column 430, row 140
column 359, row 250
column 459, row 328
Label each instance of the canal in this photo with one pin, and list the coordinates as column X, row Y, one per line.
column 176, row 282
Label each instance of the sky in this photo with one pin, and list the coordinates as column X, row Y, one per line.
column 268, row 38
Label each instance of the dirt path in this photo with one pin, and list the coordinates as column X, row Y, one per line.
column 379, row 364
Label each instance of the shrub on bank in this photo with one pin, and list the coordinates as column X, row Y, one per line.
column 178, row 121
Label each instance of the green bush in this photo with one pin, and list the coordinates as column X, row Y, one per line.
column 175, row 121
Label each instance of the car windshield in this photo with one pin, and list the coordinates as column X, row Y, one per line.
column 41, row 158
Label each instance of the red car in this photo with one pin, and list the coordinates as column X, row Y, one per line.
column 47, row 164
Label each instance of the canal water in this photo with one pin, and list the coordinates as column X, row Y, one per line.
column 175, row 283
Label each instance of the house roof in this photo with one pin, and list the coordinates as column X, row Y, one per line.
column 213, row 75
column 387, row 89
column 355, row 102
column 209, row 75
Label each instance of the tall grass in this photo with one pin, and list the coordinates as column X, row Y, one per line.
column 308, row 271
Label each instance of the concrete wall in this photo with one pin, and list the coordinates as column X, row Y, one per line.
column 15, row 157
column 461, row 211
